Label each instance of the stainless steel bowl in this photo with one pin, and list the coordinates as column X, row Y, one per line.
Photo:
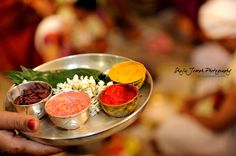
column 36, row 109
column 123, row 109
column 69, row 122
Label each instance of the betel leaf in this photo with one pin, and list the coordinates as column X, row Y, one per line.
column 55, row 76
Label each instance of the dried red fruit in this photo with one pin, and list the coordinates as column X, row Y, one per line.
column 33, row 94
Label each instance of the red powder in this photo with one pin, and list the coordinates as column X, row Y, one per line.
column 118, row 94
column 67, row 103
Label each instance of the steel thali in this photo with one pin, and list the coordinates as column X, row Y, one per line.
column 97, row 127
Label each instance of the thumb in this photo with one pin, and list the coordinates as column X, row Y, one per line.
column 18, row 121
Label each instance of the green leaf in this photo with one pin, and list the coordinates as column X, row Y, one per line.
column 54, row 77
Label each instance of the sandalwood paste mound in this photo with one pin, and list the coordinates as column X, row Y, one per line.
column 67, row 103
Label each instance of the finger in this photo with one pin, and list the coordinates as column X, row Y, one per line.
column 12, row 144
column 13, row 120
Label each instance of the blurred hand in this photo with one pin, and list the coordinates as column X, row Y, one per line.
column 11, row 143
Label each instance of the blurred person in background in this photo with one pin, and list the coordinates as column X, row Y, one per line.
column 191, row 133
column 90, row 31
column 122, row 17
column 50, row 38
column 17, row 26
column 187, row 24
column 75, row 28
column 19, row 20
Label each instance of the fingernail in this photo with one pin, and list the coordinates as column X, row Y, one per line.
column 31, row 124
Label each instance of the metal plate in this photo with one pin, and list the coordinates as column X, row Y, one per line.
column 97, row 127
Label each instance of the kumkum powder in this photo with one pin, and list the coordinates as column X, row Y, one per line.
column 118, row 94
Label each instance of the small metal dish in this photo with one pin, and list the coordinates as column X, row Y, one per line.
column 72, row 121
column 37, row 108
column 128, row 72
column 122, row 109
